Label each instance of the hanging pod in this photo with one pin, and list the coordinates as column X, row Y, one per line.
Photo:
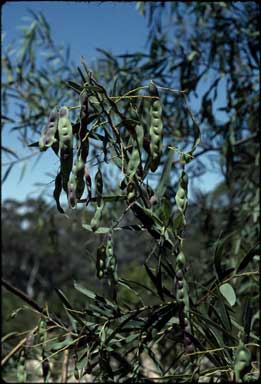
column 48, row 138
column 156, row 128
column 65, row 145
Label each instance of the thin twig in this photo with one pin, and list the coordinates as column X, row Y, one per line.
column 60, row 350
column 22, row 295
column 172, row 90
column 21, row 159
column 31, row 302
column 16, row 348
column 65, row 366
column 220, row 349
column 225, row 281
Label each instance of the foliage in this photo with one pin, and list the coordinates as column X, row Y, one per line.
column 119, row 120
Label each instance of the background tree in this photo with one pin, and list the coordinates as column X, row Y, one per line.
column 215, row 44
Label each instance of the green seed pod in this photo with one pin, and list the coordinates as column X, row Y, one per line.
column 131, row 192
column 181, row 203
column 97, row 217
column 66, row 159
column 242, row 363
column 71, row 189
column 156, row 113
column 155, row 134
column 99, row 185
column 65, row 129
column 181, row 260
column 181, row 195
column 100, row 274
column 79, row 165
column 21, row 368
column 244, row 355
column 146, row 114
column 79, row 175
column 179, row 275
column 42, row 331
column 111, row 261
column 100, row 261
column 186, row 295
column 47, row 138
column 134, row 161
column 88, row 182
column 76, row 182
column 65, row 145
column 84, row 143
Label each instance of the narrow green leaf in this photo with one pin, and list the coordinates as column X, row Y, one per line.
column 7, row 172
column 35, row 144
column 22, row 172
column 228, row 292
column 63, row 298
column 99, row 230
column 9, row 150
column 155, row 280
column 57, row 191
column 247, row 259
column 76, row 87
column 126, row 285
column 85, row 291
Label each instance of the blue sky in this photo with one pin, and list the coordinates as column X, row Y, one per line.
column 114, row 26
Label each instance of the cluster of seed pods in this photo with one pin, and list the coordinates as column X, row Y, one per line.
column 59, row 135
column 106, row 261
column 100, row 261
column 76, row 182
column 111, row 261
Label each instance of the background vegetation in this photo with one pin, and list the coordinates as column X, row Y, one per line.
column 210, row 51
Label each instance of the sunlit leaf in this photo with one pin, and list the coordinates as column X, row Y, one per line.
column 228, row 292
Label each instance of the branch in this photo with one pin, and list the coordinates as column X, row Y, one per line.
column 22, row 296
column 17, row 292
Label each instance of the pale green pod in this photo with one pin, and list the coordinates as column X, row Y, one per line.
column 131, row 192
column 155, row 134
column 181, row 259
column 65, row 129
column 97, row 217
